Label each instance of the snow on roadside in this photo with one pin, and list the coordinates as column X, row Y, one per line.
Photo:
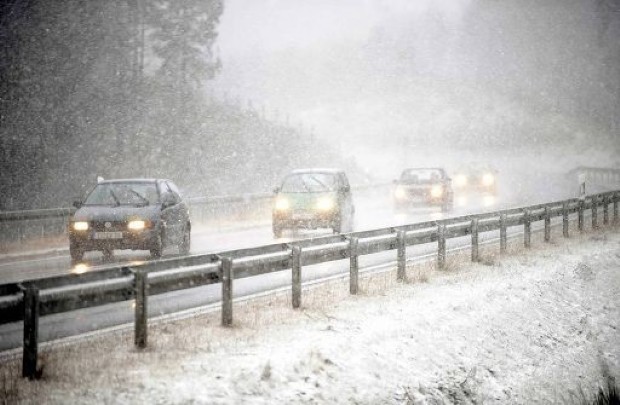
column 531, row 328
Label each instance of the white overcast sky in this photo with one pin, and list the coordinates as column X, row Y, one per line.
column 275, row 25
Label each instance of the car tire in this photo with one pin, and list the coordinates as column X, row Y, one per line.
column 184, row 244
column 277, row 231
column 157, row 247
column 337, row 225
column 350, row 222
column 77, row 254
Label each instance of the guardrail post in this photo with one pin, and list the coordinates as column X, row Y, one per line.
column 353, row 265
column 594, row 212
column 547, row 224
column 296, row 282
column 31, row 332
column 565, row 219
column 605, row 210
column 474, row 240
column 580, row 209
column 527, row 229
column 401, row 255
column 140, row 323
column 616, row 197
column 227, row 293
column 502, row 233
column 441, row 246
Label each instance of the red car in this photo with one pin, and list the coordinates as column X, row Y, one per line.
column 423, row 187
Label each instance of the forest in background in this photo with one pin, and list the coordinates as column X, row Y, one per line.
column 480, row 75
column 127, row 89
column 115, row 89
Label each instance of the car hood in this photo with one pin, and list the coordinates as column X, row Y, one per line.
column 306, row 200
column 120, row 213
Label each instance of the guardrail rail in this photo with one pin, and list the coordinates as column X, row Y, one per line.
column 29, row 300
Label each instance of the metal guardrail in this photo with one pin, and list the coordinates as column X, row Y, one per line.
column 29, row 300
column 602, row 178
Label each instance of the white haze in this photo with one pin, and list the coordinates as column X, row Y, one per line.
column 392, row 82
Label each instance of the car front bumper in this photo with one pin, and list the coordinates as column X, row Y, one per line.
column 135, row 240
column 306, row 220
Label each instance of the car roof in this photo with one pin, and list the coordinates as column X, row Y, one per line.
column 317, row 170
column 131, row 181
column 423, row 168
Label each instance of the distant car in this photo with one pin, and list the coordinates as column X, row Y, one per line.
column 138, row 214
column 476, row 178
column 311, row 199
column 423, row 186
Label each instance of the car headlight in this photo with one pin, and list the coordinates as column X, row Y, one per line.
column 488, row 179
column 325, row 204
column 400, row 193
column 80, row 226
column 460, row 180
column 436, row 191
column 282, row 204
column 136, row 225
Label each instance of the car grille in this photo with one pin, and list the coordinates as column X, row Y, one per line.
column 418, row 192
column 99, row 226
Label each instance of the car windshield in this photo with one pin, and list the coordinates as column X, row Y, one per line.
column 309, row 183
column 123, row 194
column 421, row 176
column 474, row 168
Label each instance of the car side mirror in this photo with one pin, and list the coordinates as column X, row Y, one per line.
column 168, row 201
column 276, row 190
column 77, row 203
column 346, row 188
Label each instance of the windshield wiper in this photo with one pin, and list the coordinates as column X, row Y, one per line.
column 140, row 196
column 325, row 187
column 118, row 203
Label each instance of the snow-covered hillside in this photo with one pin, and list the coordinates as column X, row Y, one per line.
column 532, row 327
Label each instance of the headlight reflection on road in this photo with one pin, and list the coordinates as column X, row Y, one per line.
column 80, row 268
column 436, row 215
column 488, row 200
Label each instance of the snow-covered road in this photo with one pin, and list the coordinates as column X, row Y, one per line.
column 534, row 327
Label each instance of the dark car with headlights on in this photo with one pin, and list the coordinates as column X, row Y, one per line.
column 423, row 187
column 138, row 214
column 312, row 199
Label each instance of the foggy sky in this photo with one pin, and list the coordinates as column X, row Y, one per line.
column 381, row 70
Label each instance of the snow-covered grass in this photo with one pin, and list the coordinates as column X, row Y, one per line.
column 534, row 326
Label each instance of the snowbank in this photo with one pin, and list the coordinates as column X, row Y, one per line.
column 535, row 327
